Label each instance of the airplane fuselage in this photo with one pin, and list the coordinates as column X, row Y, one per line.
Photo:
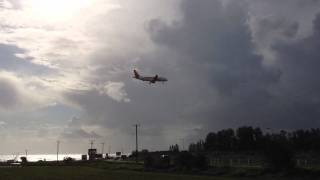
column 150, row 79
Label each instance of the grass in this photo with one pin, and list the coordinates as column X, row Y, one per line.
column 122, row 171
column 92, row 173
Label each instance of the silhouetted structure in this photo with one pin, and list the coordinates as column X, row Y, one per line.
column 24, row 160
column 118, row 153
column 92, row 154
column 58, row 146
column 99, row 156
column 84, row 157
column 137, row 149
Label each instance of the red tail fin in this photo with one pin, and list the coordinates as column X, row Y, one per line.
column 136, row 74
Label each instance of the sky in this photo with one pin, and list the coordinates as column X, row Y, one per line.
column 66, row 71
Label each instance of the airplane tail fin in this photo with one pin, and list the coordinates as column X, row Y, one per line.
column 154, row 79
column 136, row 74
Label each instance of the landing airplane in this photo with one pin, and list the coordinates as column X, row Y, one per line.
column 153, row 79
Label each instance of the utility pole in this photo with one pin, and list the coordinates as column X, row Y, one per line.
column 91, row 143
column 182, row 139
column 109, row 149
column 58, row 144
column 102, row 149
column 26, row 153
column 137, row 125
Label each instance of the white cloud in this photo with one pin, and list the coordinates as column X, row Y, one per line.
column 76, row 130
column 6, row 4
column 115, row 90
column 18, row 94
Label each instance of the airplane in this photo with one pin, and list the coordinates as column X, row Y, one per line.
column 151, row 79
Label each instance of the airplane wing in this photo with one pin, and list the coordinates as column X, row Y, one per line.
column 154, row 79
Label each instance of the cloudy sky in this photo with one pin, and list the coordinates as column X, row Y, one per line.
column 66, row 70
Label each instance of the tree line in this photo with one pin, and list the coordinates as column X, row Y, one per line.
column 277, row 149
column 254, row 139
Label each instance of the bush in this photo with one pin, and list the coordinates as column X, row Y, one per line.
column 188, row 161
column 68, row 159
column 163, row 162
column 183, row 160
column 200, row 162
column 278, row 156
column 149, row 162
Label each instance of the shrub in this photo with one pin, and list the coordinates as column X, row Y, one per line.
column 278, row 156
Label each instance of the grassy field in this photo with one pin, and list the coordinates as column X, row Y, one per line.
column 108, row 171
column 90, row 173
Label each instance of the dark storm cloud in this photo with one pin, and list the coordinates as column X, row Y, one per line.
column 216, row 48
column 273, row 25
column 283, row 13
column 299, row 85
column 215, row 42
column 216, row 78
column 212, row 69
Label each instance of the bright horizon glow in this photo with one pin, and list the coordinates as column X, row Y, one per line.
column 56, row 10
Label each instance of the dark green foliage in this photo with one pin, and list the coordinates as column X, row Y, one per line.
column 200, row 162
column 68, row 160
column 187, row 161
column 252, row 139
column 165, row 161
column 159, row 162
column 183, row 160
column 249, row 138
column 143, row 154
column 278, row 147
column 245, row 138
column 278, row 156
column 197, row 147
column 305, row 140
column 90, row 172
column 149, row 162
column 223, row 140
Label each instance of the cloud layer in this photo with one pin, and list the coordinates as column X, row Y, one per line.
column 229, row 63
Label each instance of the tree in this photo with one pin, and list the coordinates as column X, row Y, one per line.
column 197, row 147
column 211, row 142
column 249, row 138
column 225, row 140
column 279, row 156
column 174, row 148
column 149, row 162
